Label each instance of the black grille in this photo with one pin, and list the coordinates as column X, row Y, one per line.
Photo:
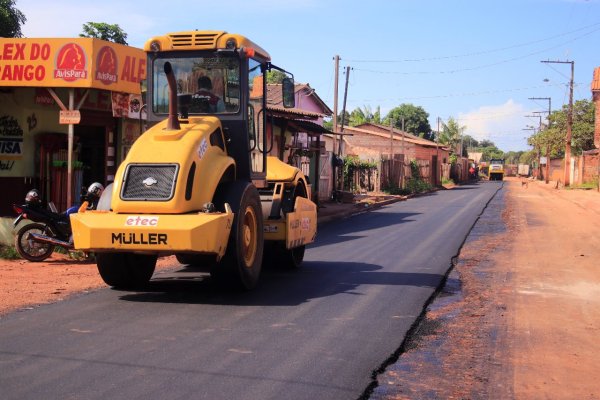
column 207, row 40
column 149, row 182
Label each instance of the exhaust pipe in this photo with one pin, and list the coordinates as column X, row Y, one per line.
column 36, row 237
column 173, row 121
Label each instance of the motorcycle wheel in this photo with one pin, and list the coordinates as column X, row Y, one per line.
column 29, row 249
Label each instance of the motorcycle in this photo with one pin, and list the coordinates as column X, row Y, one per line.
column 36, row 241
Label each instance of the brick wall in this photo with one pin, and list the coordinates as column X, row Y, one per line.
column 590, row 168
column 557, row 171
column 596, row 97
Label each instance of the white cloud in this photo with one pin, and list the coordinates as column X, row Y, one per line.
column 502, row 124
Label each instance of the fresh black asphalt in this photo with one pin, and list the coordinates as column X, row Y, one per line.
column 315, row 333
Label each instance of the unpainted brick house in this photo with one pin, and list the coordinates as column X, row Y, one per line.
column 374, row 142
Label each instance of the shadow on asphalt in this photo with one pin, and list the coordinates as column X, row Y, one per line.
column 463, row 187
column 277, row 288
column 349, row 228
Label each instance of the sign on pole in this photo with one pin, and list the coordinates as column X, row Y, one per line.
column 69, row 117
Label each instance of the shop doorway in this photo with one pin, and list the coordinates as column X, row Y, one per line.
column 91, row 152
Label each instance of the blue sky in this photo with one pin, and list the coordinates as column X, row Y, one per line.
column 475, row 61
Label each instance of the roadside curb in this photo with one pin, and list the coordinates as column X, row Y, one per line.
column 355, row 208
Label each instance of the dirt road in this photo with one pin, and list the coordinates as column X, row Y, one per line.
column 520, row 317
column 24, row 284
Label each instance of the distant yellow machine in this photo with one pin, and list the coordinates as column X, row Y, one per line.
column 496, row 171
column 199, row 183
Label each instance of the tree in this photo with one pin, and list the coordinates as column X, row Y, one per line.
column 528, row 157
column 11, row 20
column 491, row 152
column 451, row 134
column 583, row 125
column 486, row 143
column 555, row 136
column 513, row 157
column 275, row 76
column 104, row 31
column 343, row 116
column 416, row 119
column 365, row 115
column 470, row 142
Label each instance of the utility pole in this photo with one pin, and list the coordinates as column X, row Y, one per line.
column 335, row 99
column 344, row 110
column 539, row 146
column 567, row 176
column 403, row 157
column 391, row 152
column 335, row 125
column 535, row 146
column 547, row 174
column 438, row 167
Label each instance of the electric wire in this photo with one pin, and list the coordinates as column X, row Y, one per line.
column 479, row 52
column 484, row 66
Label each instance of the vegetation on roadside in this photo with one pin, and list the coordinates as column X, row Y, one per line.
column 414, row 185
column 352, row 164
column 584, row 186
column 8, row 252
column 447, row 181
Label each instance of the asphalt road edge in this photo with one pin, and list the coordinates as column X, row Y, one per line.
column 412, row 331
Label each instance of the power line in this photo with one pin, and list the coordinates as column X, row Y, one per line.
column 480, row 52
column 476, row 67
column 466, row 94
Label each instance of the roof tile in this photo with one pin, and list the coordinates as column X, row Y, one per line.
column 596, row 80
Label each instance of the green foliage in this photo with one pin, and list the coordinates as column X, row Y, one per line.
column 416, row 119
column 8, row 252
column 584, row 186
column 527, row 157
column 104, row 31
column 555, row 136
column 415, row 184
column 11, row 19
column 451, row 134
column 352, row 164
column 470, row 141
column 488, row 150
column 343, row 117
column 395, row 190
column 583, row 126
column 486, row 143
column 513, row 157
column 275, row 76
column 447, row 181
column 364, row 115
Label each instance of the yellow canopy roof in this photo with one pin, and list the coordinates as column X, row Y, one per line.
column 71, row 62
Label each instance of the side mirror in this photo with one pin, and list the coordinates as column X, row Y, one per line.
column 288, row 95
